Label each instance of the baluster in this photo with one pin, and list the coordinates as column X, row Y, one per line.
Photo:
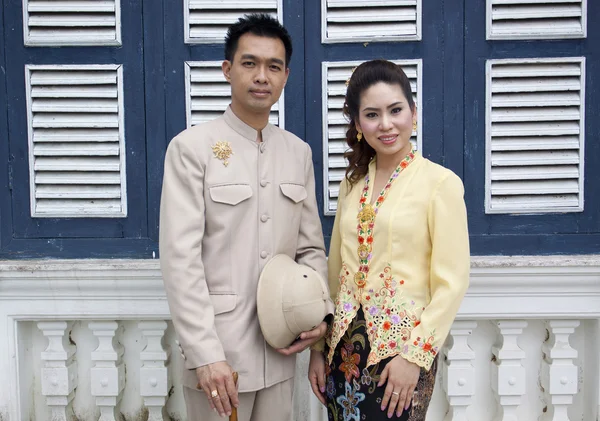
column 459, row 373
column 59, row 370
column 559, row 373
column 154, row 374
column 508, row 373
column 108, row 372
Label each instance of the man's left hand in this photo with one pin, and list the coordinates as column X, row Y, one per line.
column 306, row 339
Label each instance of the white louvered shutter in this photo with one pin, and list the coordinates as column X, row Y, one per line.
column 536, row 19
column 206, row 21
column 535, row 135
column 69, row 22
column 208, row 94
column 76, row 141
column 370, row 21
column 335, row 75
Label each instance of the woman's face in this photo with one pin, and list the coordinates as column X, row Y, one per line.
column 386, row 120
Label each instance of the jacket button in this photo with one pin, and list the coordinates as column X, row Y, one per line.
column 264, row 218
column 263, row 183
column 264, row 254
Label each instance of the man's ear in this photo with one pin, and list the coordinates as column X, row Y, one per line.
column 287, row 74
column 226, row 67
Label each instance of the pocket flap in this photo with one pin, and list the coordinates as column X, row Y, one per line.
column 223, row 303
column 230, row 194
column 296, row 192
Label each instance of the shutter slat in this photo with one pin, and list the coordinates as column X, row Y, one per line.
column 535, row 143
column 535, row 114
column 370, row 30
column 78, row 192
column 535, row 203
column 70, row 6
column 370, row 3
column 75, row 105
column 78, row 177
column 499, row 2
column 534, row 129
column 536, row 85
column 76, row 78
column 76, row 141
column 382, row 14
column 78, row 20
column 550, row 99
column 75, row 135
column 542, row 11
column 519, row 188
column 77, row 164
column 535, row 70
column 98, row 91
column 58, row 23
column 535, row 172
column 76, row 120
column 79, row 207
column 238, row 4
column 529, row 158
column 76, row 149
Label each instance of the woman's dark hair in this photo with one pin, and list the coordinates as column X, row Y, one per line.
column 262, row 25
column 364, row 76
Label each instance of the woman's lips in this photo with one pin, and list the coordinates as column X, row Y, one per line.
column 387, row 140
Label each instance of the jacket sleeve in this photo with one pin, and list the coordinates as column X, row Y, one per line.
column 310, row 250
column 449, row 271
column 334, row 260
column 180, row 244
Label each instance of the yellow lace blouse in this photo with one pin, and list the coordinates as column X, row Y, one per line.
column 419, row 267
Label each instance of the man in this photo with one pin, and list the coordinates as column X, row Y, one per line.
column 236, row 192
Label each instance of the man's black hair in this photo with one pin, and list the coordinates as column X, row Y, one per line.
column 262, row 25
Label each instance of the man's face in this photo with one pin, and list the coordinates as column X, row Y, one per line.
column 257, row 74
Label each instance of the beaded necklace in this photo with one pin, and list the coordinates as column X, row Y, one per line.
column 366, row 221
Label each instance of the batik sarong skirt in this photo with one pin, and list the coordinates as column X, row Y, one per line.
column 352, row 393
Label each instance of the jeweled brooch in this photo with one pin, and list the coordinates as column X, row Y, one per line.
column 222, row 151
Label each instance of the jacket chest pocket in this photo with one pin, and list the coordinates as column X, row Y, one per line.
column 230, row 194
column 293, row 196
column 294, row 192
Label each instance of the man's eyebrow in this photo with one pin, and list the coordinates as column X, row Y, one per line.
column 253, row 57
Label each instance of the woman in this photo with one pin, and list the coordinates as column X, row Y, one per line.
column 399, row 260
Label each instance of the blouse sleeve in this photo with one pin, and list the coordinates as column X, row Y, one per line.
column 449, row 271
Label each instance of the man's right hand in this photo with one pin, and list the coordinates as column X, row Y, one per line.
column 218, row 377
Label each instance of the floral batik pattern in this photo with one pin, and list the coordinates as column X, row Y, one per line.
column 351, row 385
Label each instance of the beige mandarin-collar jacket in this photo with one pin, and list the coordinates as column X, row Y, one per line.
column 223, row 216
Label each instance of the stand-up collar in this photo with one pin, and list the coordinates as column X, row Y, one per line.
column 242, row 128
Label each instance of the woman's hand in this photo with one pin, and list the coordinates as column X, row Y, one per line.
column 316, row 375
column 402, row 377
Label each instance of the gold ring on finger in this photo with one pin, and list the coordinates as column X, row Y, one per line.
column 396, row 393
column 214, row 394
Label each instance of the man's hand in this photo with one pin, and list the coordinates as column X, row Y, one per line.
column 306, row 339
column 216, row 380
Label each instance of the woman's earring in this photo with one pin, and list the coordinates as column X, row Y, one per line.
column 359, row 136
column 414, row 125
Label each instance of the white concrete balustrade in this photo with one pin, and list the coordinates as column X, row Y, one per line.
column 92, row 340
